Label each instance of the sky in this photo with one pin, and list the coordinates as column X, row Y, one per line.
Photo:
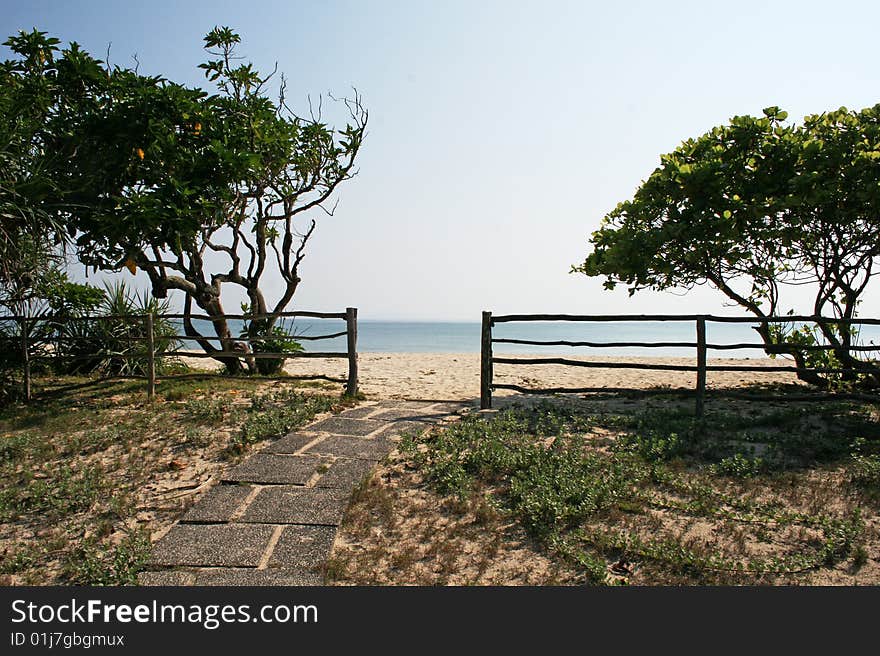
column 500, row 133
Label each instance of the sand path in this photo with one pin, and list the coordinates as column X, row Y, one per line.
column 456, row 376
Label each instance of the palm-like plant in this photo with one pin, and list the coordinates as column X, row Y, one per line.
column 115, row 343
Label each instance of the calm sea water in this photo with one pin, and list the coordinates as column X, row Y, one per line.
column 449, row 337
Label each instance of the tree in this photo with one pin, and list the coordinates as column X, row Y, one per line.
column 32, row 238
column 837, row 189
column 159, row 176
column 30, row 234
column 753, row 208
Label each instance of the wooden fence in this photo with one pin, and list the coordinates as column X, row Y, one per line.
column 701, row 367
column 151, row 353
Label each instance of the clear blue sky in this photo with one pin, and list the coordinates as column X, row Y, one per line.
column 500, row 132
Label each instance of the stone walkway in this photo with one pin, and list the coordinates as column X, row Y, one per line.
column 273, row 518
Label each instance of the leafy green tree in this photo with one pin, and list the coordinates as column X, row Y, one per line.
column 834, row 214
column 30, row 232
column 33, row 199
column 199, row 190
column 753, row 208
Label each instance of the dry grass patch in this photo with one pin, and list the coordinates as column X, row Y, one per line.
column 398, row 532
column 92, row 476
column 572, row 492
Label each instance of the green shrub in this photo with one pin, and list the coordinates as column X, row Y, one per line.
column 810, row 336
column 548, row 489
column 841, row 537
column 67, row 491
column 208, row 410
column 48, row 299
column 274, row 415
column 92, row 563
column 116, row 343
column 865, row 472
column 738, row 466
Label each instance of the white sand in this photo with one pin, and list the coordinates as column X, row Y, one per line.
column 456, row 376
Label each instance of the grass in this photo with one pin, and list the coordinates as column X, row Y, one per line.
column 643, row 494
column 92, row 469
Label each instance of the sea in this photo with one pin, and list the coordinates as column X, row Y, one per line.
column 464, row 337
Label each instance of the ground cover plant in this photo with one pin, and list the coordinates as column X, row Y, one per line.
column 89, row 476
column 611, row 491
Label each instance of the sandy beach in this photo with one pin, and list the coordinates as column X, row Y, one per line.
column 456, row 376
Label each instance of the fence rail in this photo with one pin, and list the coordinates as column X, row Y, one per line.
column 503, row 318
column 152, row 353
column 701, row 345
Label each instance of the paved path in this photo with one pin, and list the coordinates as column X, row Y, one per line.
column 273, row 518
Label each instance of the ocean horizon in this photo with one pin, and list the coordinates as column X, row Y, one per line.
column 378, row 336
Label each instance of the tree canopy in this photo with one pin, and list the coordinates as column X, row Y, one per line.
column 752, row 208
column 28, row 230
column 153, row 175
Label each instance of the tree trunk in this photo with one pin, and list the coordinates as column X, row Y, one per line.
column 775, row 348
column 770, row 347
column 214, row 309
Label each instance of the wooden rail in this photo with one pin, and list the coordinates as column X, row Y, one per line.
column 503, row 318
column 151, row 352
column 701, row 345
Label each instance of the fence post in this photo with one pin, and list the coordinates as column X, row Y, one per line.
column 351, row 326
column 26, row 359
column 486, row 362
column 701, row 366
column 151, row 357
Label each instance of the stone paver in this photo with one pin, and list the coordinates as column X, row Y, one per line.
column 352, row 447
column 400, row 428
column 303, row 547
column 221, row 545
column 345, row 426
column 345, row 474
column 360, row 412
column 247, row 576
column 277, row 469
column 286, row 504
column 273, row 518
column 167, row 577
column 218, row 504
column 402, row 414
column 398, row 415
column 449, row 407
column 232, row 576
column 406, row 404
column 291, row 443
